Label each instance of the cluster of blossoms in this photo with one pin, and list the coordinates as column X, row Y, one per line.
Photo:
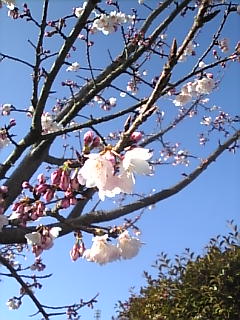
column 27, row 210
column 109, row 23
column 105, row 104
column 42, row 239
column 48, row 121
column 219, row 122
column 112, row 173
column 172, row 152
column 103, row 252
column 31, row 209
column 49, row 124
column 106, row 23
column 205, row 85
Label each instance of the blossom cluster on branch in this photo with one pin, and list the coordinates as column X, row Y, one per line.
column 100, row 114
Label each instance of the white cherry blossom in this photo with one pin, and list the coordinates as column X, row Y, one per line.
column 182, row 99
column 128, row 245
column 99, row 172
column 54, row 232
column 205, row 85
column 13, row 304
column 6, row 109
column 135, row 161
column 33, row 238
column 73, row 67
column 79, row 11
column 206, row 121
column 108, row 23
column 101, row 251
column 49, row 124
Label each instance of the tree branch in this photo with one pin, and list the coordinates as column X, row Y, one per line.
column 28, row 291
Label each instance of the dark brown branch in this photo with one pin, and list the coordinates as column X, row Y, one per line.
column 2, row 55
column 59, row 62
column 101, row 216
column 10, row 236
column 38, row 55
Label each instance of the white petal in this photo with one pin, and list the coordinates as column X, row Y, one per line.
column 33, row 238
column 54, row 232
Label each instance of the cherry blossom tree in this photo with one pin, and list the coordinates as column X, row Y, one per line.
column 88, row 143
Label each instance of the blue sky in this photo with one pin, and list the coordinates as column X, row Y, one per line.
column 188, row 219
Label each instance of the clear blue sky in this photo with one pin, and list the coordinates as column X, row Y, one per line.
column 188, row 219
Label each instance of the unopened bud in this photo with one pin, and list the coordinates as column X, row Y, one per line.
column 88, row 137
column 136, row 136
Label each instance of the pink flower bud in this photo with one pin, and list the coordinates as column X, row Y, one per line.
column 56, row 176
column 41, row 178
column 15, row 206
column 42, row 188
column 64, row 181
column 65, row 203
column 12, row 123
column 3, row 189
column 37, row 250
column 74, row 254
column 96, row 142
column 209, row 75
column 34, row 216
column 73, row 201
column 19, row 208
column 74, row 183
column 77, row 251
column 48, row 195
column 136, row 136
column 88, row 137
column 26, row 185
column 40, row 206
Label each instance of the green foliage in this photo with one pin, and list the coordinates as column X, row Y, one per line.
column 205, row 287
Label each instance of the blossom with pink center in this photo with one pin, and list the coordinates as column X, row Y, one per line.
column 101, row 251
column 128, row 245
column 98, row 172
